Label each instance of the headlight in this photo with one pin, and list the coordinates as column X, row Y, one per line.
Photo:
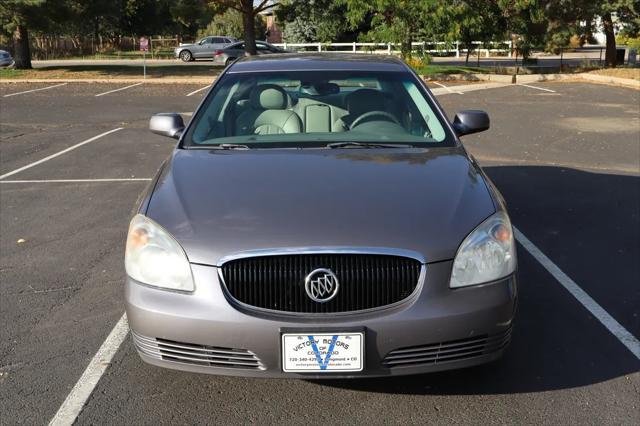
column 487, row 254
column 155, row 258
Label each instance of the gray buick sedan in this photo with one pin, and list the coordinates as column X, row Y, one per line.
column 319, row 218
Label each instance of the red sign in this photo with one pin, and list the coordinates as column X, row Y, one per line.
column 144, row 44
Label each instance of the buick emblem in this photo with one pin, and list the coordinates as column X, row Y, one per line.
column 321, row 285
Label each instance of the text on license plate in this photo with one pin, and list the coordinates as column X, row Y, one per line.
column 322, row 352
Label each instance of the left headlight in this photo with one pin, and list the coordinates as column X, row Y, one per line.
column 487, row 254
column 155, row 258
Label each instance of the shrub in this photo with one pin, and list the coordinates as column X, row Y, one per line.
column 630, row 42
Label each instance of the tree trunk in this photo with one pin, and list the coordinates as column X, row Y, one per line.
column 248, row 21
column 610, row 57
column 21, row 48
column 466, row 60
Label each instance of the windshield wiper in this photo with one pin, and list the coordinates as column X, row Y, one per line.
column 229, row 146
column 367, row 145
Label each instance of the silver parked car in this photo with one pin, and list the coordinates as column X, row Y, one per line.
column 5, row 59
column 203, row 48
column 319, row 218
column 230, row 53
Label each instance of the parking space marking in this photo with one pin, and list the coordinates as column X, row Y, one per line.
column 76, row 180
column 621, row 333
column 535, row 87
column 447, row 88
column 35, row 90
column 57, row 154
column 118, row 90
column 199, row 90
column 74, row 402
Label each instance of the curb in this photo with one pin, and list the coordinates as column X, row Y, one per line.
column 533, row 78
column 611, row 80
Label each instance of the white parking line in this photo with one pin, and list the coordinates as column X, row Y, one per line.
column 35, row 90
column 535, row 87
column 117, row 90
column 199, row 90
column 64, row 151
column 76, row 180
column 447, row 88
column 72, row 405
column 592, row 306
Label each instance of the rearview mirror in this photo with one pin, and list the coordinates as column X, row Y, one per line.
column 167, row 124
column 470, row 121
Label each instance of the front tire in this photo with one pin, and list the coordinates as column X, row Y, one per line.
column 186, row 56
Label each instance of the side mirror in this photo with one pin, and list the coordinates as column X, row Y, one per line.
column 470, row 121
column 167, row 124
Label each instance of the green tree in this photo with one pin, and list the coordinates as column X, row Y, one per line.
column 312, row 20
column 473, row 20
column 627, row 12
column 396, row 21
column 231, row 23
column 249, row 10
column 19, row 17
column 147, row 17
column 563, row 12
column 191, row 15
column 527, row 20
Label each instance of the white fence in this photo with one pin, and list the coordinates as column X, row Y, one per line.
column 500, row 47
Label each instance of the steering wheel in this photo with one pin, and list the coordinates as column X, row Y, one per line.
column 384, row 114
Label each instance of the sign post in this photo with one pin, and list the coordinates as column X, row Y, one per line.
column 144, row 48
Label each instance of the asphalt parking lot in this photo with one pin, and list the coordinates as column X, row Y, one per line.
column 566, row 157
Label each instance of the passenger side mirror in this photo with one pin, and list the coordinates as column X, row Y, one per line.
column 470, row 121
column 167, row 124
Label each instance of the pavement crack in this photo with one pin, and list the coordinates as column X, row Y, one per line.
column 50, row 290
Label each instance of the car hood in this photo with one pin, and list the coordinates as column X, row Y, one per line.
column 220, row 203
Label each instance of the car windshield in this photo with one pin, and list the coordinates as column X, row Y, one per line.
column 311, row 108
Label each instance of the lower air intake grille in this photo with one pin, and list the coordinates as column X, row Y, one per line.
column 189, row 353
column 278, row 282
column 454, row 350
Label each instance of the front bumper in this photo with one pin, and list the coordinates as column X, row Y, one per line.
column 451, row 328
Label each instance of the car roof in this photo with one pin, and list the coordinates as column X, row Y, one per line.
column 317, row 62
column 242, row 41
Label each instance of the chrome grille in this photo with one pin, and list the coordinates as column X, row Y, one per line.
column 454, row 350
column 277, row 282
column 189, row 353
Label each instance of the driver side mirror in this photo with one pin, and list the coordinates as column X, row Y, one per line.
column 470, row 121
column 167, row 124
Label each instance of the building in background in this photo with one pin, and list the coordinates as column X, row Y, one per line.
column 274, row 32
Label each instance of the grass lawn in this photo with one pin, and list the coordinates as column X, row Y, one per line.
column 111, row 71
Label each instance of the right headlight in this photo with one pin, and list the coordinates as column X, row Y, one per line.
column 155, row 258
column 487, row 254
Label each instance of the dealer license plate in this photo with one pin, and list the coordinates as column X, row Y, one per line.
column 322, row 352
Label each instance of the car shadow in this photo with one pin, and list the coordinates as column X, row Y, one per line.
column 575, row 217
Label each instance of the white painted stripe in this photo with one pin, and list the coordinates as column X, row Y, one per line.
column 469, row 88
column 117, row 90
column 35, row 90
column 76, row 180
column 64, row 151
column 535, row 87
column 592, row 306
column 447, row 88
column 199, row 90
column 72, row 405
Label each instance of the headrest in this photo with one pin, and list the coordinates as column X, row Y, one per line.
column 365, row 100
column 269, row 96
